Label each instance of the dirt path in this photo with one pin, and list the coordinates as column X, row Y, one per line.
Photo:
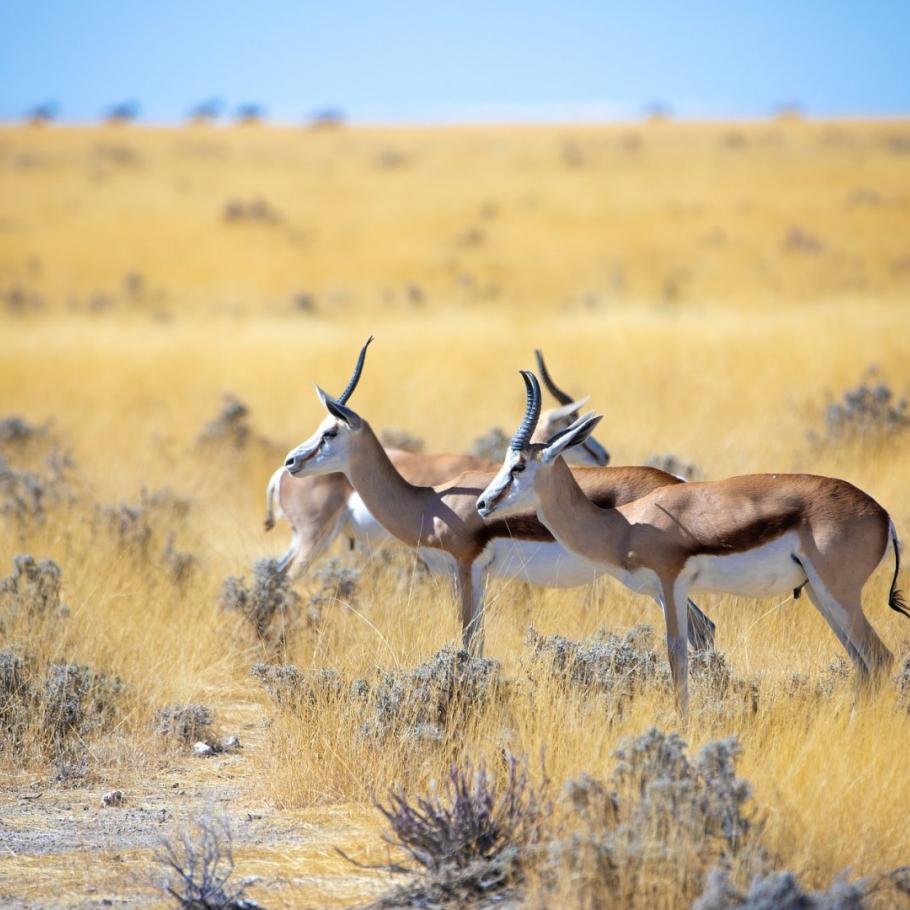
column 59, row 848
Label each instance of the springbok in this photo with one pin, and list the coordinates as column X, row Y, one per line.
column 442, row 523
column 320, row 508
column 756, row 536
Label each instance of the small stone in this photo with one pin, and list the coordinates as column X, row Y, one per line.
column 202, row 750
column 114, row 798
column 231, row 743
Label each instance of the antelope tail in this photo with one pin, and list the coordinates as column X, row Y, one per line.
column 895, row 598
column 270, row 491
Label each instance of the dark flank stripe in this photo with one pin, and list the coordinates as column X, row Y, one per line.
column 526, row 525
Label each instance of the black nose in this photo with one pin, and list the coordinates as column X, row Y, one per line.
column 481, row 503
column 290, row 462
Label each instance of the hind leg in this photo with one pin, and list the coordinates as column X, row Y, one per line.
column 699, row 629
column 874, row 650
column 288, row 557
column 846, row 618
column 312, row 545
column 823, row 606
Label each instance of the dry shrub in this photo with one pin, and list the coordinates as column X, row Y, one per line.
column 422, row 702
column 868, row 411
column 198, row 868
column 270, row 605
column 16, row 431
column 468, row 844
column 416, row 704
column 184, row 723
column 32, row 592
column 778, row 891
column 401, row 439
column 230, row 425
column 26, row 495
column 51, row 712
column 337, row 581
column 492, row 446
column 293, row 688
column 619, row 667
column 673, row 464
column 146, row 531
column 659, row 824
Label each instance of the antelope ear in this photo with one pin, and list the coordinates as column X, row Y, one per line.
column 567, row 410
column 573, row 435
column 340, row 411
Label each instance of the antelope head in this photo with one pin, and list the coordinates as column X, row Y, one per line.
column 589, row 453
column 513, row 489
column 328, row 449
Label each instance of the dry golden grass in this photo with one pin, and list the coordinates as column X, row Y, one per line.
column 653, row 265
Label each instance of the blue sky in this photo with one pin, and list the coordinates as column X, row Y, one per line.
column 474, row 60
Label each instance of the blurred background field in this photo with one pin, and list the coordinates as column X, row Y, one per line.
column 716, row 288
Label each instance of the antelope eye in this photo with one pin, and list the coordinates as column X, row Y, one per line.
column 518, row 468
column 329, row 434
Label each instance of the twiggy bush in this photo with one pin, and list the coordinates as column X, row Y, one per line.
column 467, row 843
column 198, row 867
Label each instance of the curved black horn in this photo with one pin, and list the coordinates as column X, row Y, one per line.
column 554, row 389
column 532, row 412
column 346, row 394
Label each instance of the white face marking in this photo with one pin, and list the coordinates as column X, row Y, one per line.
column 512, row 489
column 325, row 452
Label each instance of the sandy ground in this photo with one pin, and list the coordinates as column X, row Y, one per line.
column 59, row 848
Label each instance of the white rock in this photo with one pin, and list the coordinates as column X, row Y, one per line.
column 202, row 750
column 114, row 798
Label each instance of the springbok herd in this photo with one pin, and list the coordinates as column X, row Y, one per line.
column 539, row 520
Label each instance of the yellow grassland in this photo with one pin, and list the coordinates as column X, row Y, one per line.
column 712, row 286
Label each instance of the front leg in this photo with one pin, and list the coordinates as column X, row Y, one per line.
column 471, row 612
column 674, row 600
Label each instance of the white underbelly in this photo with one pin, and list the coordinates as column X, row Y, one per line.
column 762, row 572
column 365, row 529
column 550, row 565
column 437, row 561
column 539, row 562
